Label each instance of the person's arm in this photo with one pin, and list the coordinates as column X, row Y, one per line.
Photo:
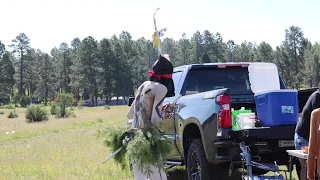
column 130, row 114
column 160, row 92
column 312, row 152
column 316, row 101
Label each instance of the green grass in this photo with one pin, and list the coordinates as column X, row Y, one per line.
column 62, row 148
column 74, row 154
column 85, row 117
column 59, row 148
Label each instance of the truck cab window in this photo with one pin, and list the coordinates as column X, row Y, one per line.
column 176, row 77
column 192, row 85
column 210, row 78
column 201, row 80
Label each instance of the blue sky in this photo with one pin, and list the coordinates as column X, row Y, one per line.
column 50, row 22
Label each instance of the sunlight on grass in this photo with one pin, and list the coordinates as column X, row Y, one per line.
column 60, row 148
column 85, row 117
column 75, row 154
column 63, row 148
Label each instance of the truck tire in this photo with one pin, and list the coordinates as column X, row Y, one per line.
column 198, row 168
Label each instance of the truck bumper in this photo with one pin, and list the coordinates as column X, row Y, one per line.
column 266, row 133
column 225, row 151
column 266, row 144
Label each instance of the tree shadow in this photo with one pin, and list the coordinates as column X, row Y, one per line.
column 177, row 174
column 181, row 174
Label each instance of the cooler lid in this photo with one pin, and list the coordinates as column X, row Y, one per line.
column 263, row 77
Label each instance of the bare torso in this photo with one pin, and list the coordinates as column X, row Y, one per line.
column 146, row 108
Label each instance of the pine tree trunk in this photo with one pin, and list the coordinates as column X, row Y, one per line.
column 65, row 86
column 46, row 96
column 21, row 73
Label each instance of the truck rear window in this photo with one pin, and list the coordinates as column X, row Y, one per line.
column 207, row 79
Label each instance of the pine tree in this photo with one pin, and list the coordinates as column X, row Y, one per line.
column 7, row 82
column 20, row 48
column 45, row 85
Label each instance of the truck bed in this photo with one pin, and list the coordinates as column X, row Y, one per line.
column 276, row 132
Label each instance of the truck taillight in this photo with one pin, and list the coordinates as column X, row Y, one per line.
column 225, row 113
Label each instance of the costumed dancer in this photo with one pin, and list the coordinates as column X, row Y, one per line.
column 147, row 111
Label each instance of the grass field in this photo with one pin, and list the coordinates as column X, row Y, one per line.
column 61, row 148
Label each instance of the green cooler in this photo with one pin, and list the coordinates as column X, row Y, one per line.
column 234, row 114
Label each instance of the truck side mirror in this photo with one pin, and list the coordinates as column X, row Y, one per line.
column 131, row 99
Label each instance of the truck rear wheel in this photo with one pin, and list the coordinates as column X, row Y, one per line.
column 198, row 168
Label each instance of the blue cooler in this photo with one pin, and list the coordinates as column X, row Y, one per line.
column 277, row 107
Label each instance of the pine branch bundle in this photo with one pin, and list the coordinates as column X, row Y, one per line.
column 148, row 147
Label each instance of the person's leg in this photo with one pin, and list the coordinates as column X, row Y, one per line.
column 158, row 174
column 302, row 172
column 300, row 142
column 317, row 176
column 138, row 175
column 298, row 166
column 155, row 175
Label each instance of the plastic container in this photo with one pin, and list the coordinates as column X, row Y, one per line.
column 263, row 77
column 234, row 116
column 277, row 107
column 246, row 120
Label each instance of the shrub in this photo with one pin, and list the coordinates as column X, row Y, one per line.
column 53, row 109
column 25, row 100
column 63, row 113
column 58, row 112
column 80, row 102
column 64, row 101
column 100, row 120
column 13, row 114
column 9, row 107
column 70, row 113
column 36, row 113
column 16, row 99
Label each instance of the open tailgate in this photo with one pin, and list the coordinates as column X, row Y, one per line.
column 265, row 133
column 272, row 139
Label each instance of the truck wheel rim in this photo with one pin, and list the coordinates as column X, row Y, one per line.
column 195, row 168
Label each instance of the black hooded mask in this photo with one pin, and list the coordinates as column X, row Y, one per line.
column 162, row 73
